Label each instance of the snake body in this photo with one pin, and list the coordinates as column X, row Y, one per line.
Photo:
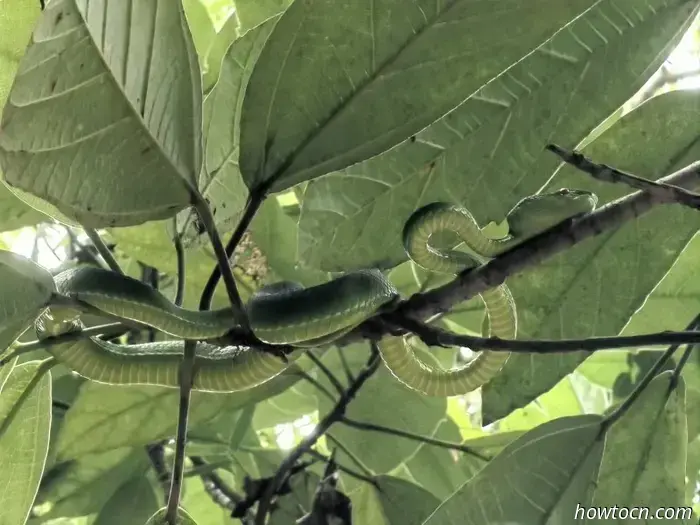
column 284, row 313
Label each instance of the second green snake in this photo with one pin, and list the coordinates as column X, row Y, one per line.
column 288, row 314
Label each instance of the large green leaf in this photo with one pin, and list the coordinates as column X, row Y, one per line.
column 105, row 417
column 17, row 19
column 134, row 501
column 104, row 117
column 219, row 46
column 645, row 451
column 254, row 12
column 489, row 153
column 25, row 420
column 84, row 486
column 538, row 479
column 341, row 81
column 595, row 287
column 397, row 502
column 220, row 181
column 25, row 288
column 439, row 470
column 201, row 26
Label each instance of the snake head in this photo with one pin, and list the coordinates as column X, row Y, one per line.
column 538, row 213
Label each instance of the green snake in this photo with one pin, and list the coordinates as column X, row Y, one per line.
column 288, row 314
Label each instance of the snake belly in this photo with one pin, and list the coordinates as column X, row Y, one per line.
column 280, row 314
column 398, row 353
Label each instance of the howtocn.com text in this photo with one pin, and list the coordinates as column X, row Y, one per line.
column 634, row 513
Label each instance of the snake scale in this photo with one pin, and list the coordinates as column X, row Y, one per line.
column 286, row 313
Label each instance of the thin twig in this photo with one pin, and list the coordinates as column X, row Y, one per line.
column 368, row 478
column 156, row 455
column 309, row 441
column 648, row 378
column 308, row 377
column 338, row 444
column 661, row 191
column 180, row 255
column 223, row 263
column 344, row 363
column 109, row 330
column 360, row 425
column 434, row 336
column 186, row 381
column 102, row 249
column 326, row 371
column 694, row 325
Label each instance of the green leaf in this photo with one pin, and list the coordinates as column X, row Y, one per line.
column 84, row 486
column 135, row 501
column 183, row 518
column 219, row 46
column 106, row 417
column 25, row 421
column 17, row 19
column 538, row 479
column 595, row 287
column 89, row 126
column 275, row 233
column 341, row 81
column 489, row 152
column 398, row 502
column 201, row 26
column 253, row 12
column 220, row 182
column 290, row 508
column 441, row 471
column 26, row 289
column 400, row 408
column 645, row 451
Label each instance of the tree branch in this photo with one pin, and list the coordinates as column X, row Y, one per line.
column 309, row 441
column 360, row 425
column 662, row 192
column 223, row 264
column 471, row 282
column 102, row 249
column 331, row 377
column 255, row 200
column 434, row 336
column 186, row 381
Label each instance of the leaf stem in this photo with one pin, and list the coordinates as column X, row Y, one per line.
column 223, row 264
column 349, row 453
column 255, row 200
column 326, row 371
column 308, row 377
column 102, row 249
column 186, row 382
column 180, row 255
